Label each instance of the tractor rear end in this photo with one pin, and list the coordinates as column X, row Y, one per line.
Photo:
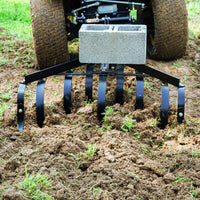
column 112, row 35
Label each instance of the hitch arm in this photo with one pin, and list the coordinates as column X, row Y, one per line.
column 51, row 71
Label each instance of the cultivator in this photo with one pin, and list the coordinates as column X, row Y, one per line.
column 111, row 39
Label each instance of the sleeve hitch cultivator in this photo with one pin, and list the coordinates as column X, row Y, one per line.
column 110, row 35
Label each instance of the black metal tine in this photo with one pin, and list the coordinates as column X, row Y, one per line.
column 67, row 93
column 139, row 104
column 20, row 106
column 181, row 104
column 89, row 81
column 40, row 103
column 102, row 94
column 164, row 105
column 120, row 85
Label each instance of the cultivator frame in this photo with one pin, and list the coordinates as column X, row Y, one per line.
column 64, row 69
column 99, row 12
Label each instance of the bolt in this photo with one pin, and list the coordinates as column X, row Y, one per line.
column 180, row 114
column 112, row 67
column 20, row 110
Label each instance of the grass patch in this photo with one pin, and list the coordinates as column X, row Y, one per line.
column 3, row 107
column 34, row 184
column 15, row 18
column 193, row 7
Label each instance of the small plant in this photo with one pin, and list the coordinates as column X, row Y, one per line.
column 195, row 71
column 153, row 123
column 193, row 191
column 33, row 184
column 4, row 96
column 108, row 113
column 195, row 153
column 137, row 134
column 97, row 191
column 90, row 102
column 91, row 150
column 145, row 149
column 177, row 64
column 197, row 84
column 180, row 179
column 128, row 125
column 3, row 107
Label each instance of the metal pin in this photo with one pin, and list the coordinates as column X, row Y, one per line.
column 180, row 114
column 20, row 110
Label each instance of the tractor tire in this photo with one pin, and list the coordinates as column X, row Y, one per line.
column 49, row 32
column 170, row 37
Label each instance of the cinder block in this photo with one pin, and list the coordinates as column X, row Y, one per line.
column 114, row 44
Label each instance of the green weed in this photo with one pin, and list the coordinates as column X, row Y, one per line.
column 34, row 184
column 197, row 84
column 145, row 149
column 177, row 64
column 5, row 96
column 195, row 71
column 97, row 191
column 137, row 134
column 91, row 150
column 90, row 102
column 180, row 179
column 153, row 123
column 108, row 113
column 128, row 125
column 195, row 153
column 3, row 107
column 193, row 191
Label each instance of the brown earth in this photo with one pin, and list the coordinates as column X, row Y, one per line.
column 146, row 163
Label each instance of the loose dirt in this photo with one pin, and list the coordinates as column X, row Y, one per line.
column 146, row 163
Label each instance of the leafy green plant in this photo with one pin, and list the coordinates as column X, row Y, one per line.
column 4, row 95
column 97, row 191
column 195, row 71
column 193, row 191
column 180, row 179
column 34, row 184
column 91, row 150
column 195, row 153
column 128, row 125
column 3, row 107
column 108, row 113
column 90, row 102
column 145, row 149
column 153, row 123
column 137, row 134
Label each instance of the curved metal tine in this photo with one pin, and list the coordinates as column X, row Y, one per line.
column 164, row 105
column 120, row 85
column 181, row 104
column 102, row 94
column 88, row 81
column 40, row 103
column 139, row 104
column 20, row 106
column 67, row 93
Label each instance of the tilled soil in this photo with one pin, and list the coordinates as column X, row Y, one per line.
column 146, row 162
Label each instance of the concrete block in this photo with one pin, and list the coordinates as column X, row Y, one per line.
column 113, row 44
